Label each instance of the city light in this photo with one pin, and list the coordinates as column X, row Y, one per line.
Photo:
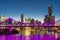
column 31, row 26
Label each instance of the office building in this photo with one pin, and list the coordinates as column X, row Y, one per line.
column 22, row 18
column 49, row 18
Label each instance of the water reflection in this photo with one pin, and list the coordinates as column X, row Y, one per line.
column 32, row 37
column 30, row 34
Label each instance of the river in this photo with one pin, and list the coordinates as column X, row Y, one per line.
column 32, row 37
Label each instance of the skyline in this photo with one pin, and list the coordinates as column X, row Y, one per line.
column 30, row 8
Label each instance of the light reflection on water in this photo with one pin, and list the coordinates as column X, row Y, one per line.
column 31, row 37
column 34, row 37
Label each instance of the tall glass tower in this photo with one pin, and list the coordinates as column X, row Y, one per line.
column 49, row 12
column 22, row 18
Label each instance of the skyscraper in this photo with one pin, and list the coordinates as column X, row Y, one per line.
column 49, row 13
column 22, row 18
column 50, row 10
column 46, row 18
column 49, row 17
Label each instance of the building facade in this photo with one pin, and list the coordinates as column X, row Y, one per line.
column 22, row 18
column 49, row 18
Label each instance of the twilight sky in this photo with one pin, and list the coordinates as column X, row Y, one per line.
column 36, row 9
